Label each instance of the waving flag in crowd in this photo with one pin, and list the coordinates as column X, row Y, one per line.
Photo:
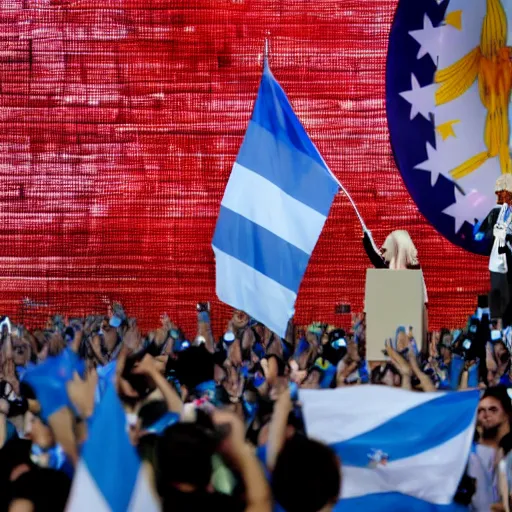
column 110, row 476
column 273, row 211
column 400, row 450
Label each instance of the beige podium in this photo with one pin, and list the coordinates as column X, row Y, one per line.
column 393, row 298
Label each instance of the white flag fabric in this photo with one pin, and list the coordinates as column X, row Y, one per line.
column 400, row 450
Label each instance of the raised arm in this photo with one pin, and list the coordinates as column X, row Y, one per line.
column 372, row 251
column 484, row 229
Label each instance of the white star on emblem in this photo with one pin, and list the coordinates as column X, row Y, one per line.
column 428, row 38
column 432, row 164
column 467, row 208
column 422, row 99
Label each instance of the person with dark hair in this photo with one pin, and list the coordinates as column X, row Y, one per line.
column 296, row 462
column 14, row 461
column 151, row 412
column 313, row 468
column 494, row 415
column 185, row 467
column 387, row 375
column 185, row 461
column 152, row 419
column 27, row 487
column 493, row 424
column 194, row 369
column 40, row 490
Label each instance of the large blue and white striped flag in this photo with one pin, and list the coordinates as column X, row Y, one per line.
column 274, row 208
column 400, row 450
column 110, row 476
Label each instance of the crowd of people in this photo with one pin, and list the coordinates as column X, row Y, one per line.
column 217, row 421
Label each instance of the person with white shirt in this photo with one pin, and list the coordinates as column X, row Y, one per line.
column 497, row 229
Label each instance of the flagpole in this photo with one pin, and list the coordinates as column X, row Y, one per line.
column 344, row 190
column 349, row 197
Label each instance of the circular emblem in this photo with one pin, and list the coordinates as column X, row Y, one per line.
column 377, row 458
column 448, row 84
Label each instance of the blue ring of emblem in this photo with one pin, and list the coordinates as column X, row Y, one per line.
column 409, row 138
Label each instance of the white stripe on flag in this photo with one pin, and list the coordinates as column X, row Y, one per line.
column 365, row 408
column 426, row 476
column 271, row 208
column 143, row 496
column 85, row 495
column 268, row 301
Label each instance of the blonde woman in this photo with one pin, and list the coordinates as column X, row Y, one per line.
column 397, row 253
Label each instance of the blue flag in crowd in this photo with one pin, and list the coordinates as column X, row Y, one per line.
column 110, row 475
column 48, row 380
column 401, row 450
column 274, row 208
column 106, row 376
column 159, row 426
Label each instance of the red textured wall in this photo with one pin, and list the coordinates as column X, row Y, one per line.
column 119, row 124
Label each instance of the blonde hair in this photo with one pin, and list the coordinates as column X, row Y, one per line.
column 399, row 250
column 504, row 182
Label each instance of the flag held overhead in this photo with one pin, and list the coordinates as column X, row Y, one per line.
column 274, row 208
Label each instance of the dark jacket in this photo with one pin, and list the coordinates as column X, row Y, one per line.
column 486, row 229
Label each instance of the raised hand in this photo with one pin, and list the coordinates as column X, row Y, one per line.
column 132, row 339
column 398, row 361
column 147, row 366
column 82, row 393
column 434, row 342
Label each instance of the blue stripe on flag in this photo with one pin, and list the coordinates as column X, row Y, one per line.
column 108, row 442
column 413, row 432
column 260, row 249
column 271, row 208
column 273, row 111
column 264, row 299
column 293, row 171
column 393, row 502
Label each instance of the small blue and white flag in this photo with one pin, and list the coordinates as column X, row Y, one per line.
column 274, row 208
column 110, row 476
column 400, row 450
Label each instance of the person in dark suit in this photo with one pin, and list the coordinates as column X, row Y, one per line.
column 496, row 231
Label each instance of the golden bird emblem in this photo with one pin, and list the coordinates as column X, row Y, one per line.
column 490, row 64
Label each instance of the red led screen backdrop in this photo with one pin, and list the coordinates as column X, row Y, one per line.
column 120, row 122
